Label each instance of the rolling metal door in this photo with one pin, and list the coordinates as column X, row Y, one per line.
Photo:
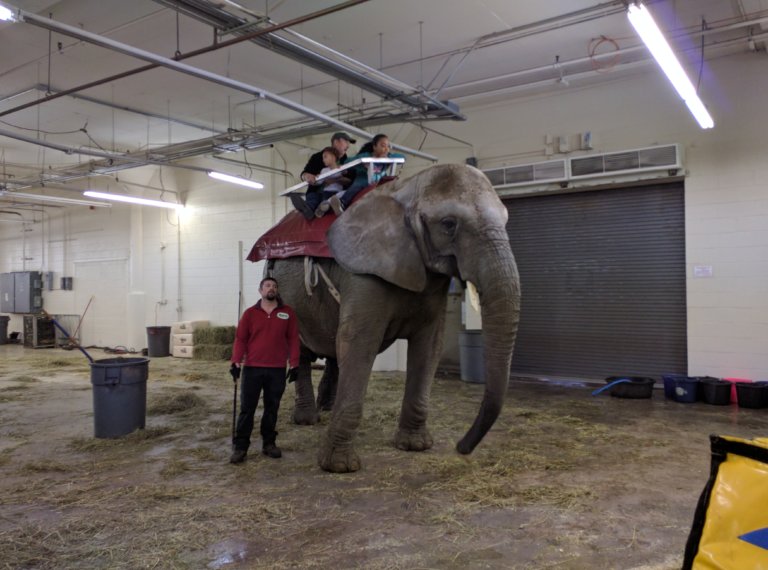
column 603, row 282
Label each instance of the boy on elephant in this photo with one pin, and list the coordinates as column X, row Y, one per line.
column 267, row 338
column 308, row 205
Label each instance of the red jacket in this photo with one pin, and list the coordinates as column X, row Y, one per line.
column 267, row 340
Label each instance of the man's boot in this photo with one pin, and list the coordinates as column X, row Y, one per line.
column 271, row 450
column 238, row 456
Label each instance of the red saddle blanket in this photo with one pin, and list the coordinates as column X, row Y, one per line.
column 295, row 236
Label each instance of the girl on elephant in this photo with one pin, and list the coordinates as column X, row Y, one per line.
column 365, row 174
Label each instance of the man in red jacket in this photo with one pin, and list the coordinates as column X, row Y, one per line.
column 267, row 337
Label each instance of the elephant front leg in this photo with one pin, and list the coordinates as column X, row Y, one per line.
column 304, row 410
column 337, row 453
column 423, row 352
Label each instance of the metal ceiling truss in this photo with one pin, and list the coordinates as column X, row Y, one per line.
column 316, row 56
column 311, row 121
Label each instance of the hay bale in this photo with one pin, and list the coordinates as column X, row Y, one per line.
column 212, row 352
column 214, row 335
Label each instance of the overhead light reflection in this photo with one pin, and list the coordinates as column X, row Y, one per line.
column 133, row 200
column 235, row 180
column 646, row 28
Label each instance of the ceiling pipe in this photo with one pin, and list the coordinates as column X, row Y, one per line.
column 180, row 57
column 346, row 68
column 640, row 63
column 125, row 49
column 127, row 109
column 253, row 166
column 623, row 51
column 61, row 147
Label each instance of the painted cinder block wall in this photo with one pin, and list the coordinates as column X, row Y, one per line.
column 726, row 214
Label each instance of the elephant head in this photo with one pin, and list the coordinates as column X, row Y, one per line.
column 447, row 220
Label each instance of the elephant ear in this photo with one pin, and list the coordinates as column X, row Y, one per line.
column 372, row 237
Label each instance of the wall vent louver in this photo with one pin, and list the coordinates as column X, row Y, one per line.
column 644, row 160
column 549, row 171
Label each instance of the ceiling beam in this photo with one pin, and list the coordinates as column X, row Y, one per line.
column 78, row 33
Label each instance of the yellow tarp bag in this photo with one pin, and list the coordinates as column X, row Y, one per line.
column 730, row 527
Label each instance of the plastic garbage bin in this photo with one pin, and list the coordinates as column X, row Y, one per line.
column 119, row 395
column 471, row 360
column 158, row 341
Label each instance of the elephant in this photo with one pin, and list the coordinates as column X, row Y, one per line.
column 395, row 252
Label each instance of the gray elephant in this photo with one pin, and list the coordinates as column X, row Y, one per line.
column 395, row 251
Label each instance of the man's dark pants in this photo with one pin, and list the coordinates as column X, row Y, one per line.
column 252, row 381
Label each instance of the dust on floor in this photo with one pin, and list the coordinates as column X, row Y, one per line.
column 563, row 480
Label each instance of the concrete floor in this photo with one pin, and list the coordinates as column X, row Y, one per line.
column 563, row 480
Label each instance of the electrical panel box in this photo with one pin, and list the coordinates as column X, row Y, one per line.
column 7, row 293
column 21, row 292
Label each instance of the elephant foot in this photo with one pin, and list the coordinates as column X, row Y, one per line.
column 305, row 416
column 324, row 404
column 338, row 459
column 413, row 440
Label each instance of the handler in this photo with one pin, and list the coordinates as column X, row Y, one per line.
column 267, row 337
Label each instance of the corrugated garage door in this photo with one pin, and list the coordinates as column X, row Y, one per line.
column 603, row 282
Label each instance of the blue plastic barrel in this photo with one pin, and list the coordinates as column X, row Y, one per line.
column 686, row 389
column 669, row 384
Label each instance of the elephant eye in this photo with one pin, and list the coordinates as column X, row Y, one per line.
column 449, row 225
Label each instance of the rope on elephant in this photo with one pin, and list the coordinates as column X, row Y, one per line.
column 311, row 270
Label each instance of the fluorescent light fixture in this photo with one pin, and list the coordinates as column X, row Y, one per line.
column 133, row 200
column 6, row 14
column 235, row 180
column 54, row 199
column 646, row 28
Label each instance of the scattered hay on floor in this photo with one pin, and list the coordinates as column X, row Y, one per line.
column 563, row 497
column 175, row 403
column 7, row 397
column 214, row 430
column 194, row 377
column 24, row 379
column 62, row 362
column 43, row 466
column 202, row 453
column 173, row 468
column 20, row 388
column 137, row 437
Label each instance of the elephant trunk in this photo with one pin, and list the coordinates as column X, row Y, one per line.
column 499, row 288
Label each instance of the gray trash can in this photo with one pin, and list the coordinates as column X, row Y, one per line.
column 471, row 356
column 158, row 341
column 119, row 395
column 4, row 329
